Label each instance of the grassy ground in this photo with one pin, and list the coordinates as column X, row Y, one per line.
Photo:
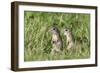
column 37, row 39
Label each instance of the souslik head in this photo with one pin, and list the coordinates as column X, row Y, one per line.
column 54, row 30
column 66, row 31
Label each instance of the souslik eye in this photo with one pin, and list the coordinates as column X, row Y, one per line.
column 53, row 28
column 66, row 30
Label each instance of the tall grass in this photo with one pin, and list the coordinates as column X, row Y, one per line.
column 37, row 39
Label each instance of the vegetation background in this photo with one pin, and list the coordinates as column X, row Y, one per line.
column 37, row 39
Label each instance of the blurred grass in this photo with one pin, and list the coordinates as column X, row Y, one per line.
column 37, row 39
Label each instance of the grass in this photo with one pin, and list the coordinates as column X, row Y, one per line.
column 37, row 39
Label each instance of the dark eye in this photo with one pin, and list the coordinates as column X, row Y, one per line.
column 66, row 30
column 53, row 28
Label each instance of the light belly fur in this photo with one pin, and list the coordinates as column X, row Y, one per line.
column 55, row 38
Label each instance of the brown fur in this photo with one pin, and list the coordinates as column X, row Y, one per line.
column 56, row 40
column 69, row 38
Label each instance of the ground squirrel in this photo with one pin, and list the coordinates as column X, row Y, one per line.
column 56, row 41
column 69, row 38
